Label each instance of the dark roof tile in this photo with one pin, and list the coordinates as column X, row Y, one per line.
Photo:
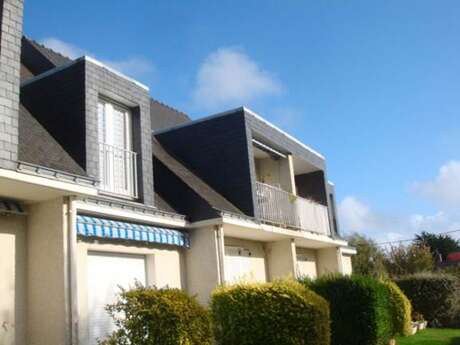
column 192, row 181
column 38, row 147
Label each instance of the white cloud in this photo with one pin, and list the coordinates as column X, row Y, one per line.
column 438, row 222
column 66, row 49
column 228, row 77
column 354, row 215
column 135, row 67
column 445, row 187
column 357, row 216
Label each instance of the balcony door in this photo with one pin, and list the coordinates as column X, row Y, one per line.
column 117, row 160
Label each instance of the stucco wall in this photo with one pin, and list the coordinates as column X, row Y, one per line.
column 47, row 281
column 281, row 259
column 328, row 261
column 12, row 279
column 307, row 263
column 277, row 172
column 202, row 262
column 164, row 267
column 258, row 269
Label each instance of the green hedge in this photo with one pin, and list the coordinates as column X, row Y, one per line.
column 147, row 316
column 435, row 296
column 360, row 309
column 279, row 313
column 401, row 310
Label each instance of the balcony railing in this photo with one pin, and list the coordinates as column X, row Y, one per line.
column 281, row 208
column 118, row 170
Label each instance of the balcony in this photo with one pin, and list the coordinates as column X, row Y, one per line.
column 118, row 171
column 281, row 208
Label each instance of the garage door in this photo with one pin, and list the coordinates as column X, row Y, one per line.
column 242, row 266
column 106, row 272
column 306, row 266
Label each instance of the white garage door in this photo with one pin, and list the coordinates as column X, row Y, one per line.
column 106, row 272
column 241, row 266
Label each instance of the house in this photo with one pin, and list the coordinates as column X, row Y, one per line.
column 101, row 185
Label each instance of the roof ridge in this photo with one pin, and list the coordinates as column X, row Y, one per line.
column 170, row 107
column 45, row 47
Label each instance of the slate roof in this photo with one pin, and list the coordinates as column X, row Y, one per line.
column 54, row 57
column 163, row 116
column 214, row 199
column 38, row 147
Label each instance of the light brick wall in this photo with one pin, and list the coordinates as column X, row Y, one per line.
column 11, row 12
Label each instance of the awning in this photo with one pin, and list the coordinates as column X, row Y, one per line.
column 110, row 229
column 8, row 206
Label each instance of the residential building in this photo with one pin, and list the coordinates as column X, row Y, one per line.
column 102, row 186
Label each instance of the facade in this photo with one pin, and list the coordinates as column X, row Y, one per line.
column 102, row 186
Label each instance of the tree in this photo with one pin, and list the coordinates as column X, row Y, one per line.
column 440, row 245
column 401, row 260
column 369, row 258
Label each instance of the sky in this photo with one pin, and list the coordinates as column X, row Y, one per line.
column 372, row 85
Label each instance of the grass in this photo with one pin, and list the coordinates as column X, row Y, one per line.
column 432, row 336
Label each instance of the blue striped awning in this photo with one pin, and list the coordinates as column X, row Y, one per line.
column 106, row 228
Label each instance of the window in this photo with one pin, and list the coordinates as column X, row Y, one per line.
column 117, row 170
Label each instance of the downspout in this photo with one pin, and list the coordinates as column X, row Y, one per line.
column 218, row 229
column 72, row 269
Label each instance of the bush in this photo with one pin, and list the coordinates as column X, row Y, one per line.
column 401, row 310
column 147, row 316
column 435, row 296
column 279, row 313
column 360, row 309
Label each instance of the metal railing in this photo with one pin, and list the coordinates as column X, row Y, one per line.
column 118, row 170
column 279, row 207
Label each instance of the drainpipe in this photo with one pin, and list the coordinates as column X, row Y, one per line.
column 219, row 235
column 72, row 269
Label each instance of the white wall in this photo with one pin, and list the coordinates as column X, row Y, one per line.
column 203, row 263
column 328, row 261
column 281, row 259
column 276, row 172
column 47, row 281
column 12, row 279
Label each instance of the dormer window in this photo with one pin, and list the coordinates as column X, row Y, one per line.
column 117, row 161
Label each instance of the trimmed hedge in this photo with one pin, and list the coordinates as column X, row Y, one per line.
column 401, row 310
column 147, row 316
column 360, row 309
column 279, row 313
column 435, row 296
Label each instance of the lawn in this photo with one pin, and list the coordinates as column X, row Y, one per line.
column 432, row 337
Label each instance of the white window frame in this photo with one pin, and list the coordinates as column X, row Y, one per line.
column 109, row 148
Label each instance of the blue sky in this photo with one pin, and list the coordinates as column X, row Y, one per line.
column 372, row 85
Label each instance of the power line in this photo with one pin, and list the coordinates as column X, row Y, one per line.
column 413, row 239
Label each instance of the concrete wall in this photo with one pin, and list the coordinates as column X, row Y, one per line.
column 328, row 261
column 47, row 299
column 203, row 262
column 281, row 259
column 11, row 12
column 13, row 280
column 307, row 263
column 258, row 267
column 165, row 266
